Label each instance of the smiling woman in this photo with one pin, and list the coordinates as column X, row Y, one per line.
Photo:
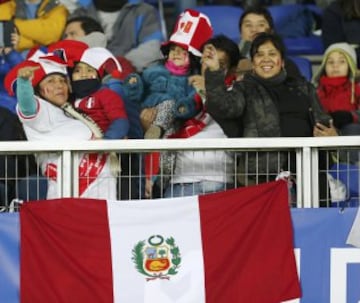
column 266, row 103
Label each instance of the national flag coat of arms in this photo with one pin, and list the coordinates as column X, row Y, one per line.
column 234, row 246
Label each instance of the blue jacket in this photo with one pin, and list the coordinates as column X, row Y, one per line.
column 160, row 85
column 7, row 62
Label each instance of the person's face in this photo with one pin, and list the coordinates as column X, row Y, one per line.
column 83, row 71
column 267, row 61
column 252, row 25
column 73, row 31
column 55, row 89
column 336, row 65
column 178, row 55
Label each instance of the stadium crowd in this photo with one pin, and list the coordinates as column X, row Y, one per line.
column 103, row 69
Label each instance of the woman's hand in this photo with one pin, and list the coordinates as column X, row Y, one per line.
column 321, row 130
column 27, row 72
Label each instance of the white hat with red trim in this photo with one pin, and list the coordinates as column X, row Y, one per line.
column 101, row 59
column 192, row 30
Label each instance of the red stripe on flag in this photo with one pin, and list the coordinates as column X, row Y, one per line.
column 63, row 241
column 248, row 246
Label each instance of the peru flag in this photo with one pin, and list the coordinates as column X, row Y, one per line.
column 234, row 246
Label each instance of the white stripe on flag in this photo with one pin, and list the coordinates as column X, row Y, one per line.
column 354, row 235
column 127, row 229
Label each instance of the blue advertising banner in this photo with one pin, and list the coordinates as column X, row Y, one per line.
column 9, row 257
column 329, row 269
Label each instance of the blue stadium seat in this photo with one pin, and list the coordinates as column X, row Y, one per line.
column 304, row 65
column 310, row 45
column 224, row 19
column 294, row 22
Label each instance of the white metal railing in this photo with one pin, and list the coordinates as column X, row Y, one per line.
column 307, row 151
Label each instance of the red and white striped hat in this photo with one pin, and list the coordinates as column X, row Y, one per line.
column 97, row 57
column 192, row 30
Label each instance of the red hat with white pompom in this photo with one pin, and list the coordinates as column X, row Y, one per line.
column 192, row 30
column 74, row 51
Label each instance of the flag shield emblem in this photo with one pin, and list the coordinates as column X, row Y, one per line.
column 157, row 258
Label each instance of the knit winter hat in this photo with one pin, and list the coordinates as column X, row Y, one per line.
column 349, row 52
column 192, row 30
column 47, row 63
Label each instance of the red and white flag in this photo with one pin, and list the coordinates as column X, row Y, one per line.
column 234, row 246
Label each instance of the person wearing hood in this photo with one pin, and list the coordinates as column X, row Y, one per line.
column 132, row 29
column 338, row 88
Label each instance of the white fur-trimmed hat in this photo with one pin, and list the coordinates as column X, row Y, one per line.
column 192, row 30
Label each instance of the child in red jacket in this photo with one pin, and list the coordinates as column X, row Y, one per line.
column 337, row 88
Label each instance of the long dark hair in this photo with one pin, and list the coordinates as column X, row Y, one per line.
column 351, row 8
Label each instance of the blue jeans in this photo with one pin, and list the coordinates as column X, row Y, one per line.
column 196, row 188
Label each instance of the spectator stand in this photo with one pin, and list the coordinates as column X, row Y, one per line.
column 224, row 19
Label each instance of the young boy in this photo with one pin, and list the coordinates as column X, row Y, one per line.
column 100, row 103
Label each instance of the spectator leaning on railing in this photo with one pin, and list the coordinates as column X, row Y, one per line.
column 266, row 103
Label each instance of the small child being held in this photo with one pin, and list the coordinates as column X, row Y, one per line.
column 166, row 85
column 104, row 106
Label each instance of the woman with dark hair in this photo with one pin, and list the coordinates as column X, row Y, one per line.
column 341, row 23
column 266, row 103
